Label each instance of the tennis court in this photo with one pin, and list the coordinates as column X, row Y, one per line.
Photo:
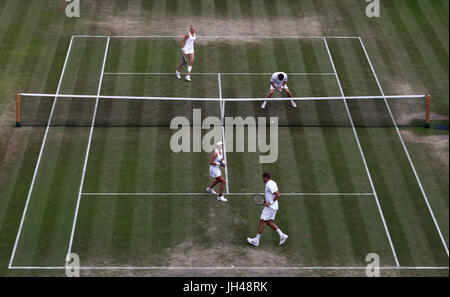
column 124, row 200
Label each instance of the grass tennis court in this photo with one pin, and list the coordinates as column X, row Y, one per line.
column 115, row 194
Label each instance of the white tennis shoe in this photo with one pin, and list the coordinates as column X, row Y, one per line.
column 178, row 74
column 253, row 241
column 283, row 238
column 264, row 105
column 188, row 78
column 221, row 198
column 293, row 104
column 211, row 190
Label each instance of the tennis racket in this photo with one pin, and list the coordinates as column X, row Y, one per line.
column 258, row 199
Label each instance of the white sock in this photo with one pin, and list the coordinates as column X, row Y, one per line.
column 189, row 69
column 279, row 232
column 258, row 236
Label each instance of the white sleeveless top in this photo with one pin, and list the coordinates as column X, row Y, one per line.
column 219, row 157
column 189, row 44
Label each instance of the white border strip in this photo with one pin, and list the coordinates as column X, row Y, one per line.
column 231, row 268
column 36, row 169
column 87, row 156
column 231, row 194
column 363, row 158
column 224, row 99
column 222, row 73
column 219, row 36
column 406, row 150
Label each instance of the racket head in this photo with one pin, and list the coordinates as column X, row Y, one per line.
column 258, row 199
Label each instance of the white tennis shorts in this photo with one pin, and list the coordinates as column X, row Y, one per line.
column 283, row 87
column 214, row 171
column 268, row 213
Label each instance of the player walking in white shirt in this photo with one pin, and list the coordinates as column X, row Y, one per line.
column 214, row 171
column 187, row 50
column 269, row 211
column 278, row 82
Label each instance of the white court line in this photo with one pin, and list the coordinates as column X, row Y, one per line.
column 87, row 156
column 231, row 194
column 406, row 150
column 219, row 36
column 40, row 154
column 231, row 268
column 222, row 103
column 363, row 156
column 222, row 73
column 222, row 111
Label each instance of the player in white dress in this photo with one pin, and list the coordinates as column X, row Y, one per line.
column 278, row 82
column 214, row 171
column 269, row 211
column 187, row 51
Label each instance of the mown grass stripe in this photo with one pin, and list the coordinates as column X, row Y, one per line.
column 355, row 225
column 10, row 51
column 440, row 52
column 12, row 19
column 146, row 7
column 317, row 223
column 59, row 50
column 54, row 205
column 412, row 51
column 441, row 11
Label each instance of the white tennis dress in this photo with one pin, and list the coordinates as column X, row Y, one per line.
column 189, row 44
column 214, row 170
column 269, row 213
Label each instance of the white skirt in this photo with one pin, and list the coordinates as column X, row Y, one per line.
column 214, row 171
column 188, row 50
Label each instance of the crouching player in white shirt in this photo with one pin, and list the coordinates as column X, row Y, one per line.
column 278, row 82
column 269, row 211
column 214, row 171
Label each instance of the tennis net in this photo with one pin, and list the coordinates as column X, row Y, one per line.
column 110, row 111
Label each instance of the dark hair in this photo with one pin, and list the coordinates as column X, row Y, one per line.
column 280, row 76
column 267, row 175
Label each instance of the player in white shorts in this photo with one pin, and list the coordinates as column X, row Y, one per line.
column 187, row 51
column 269, row 211
column 214, row 171
column 278, row 82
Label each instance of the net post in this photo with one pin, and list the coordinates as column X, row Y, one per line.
column 18, row 123
column 427, row 124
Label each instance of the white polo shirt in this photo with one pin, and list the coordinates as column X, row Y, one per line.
column 271, row 188
column 277, row 81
